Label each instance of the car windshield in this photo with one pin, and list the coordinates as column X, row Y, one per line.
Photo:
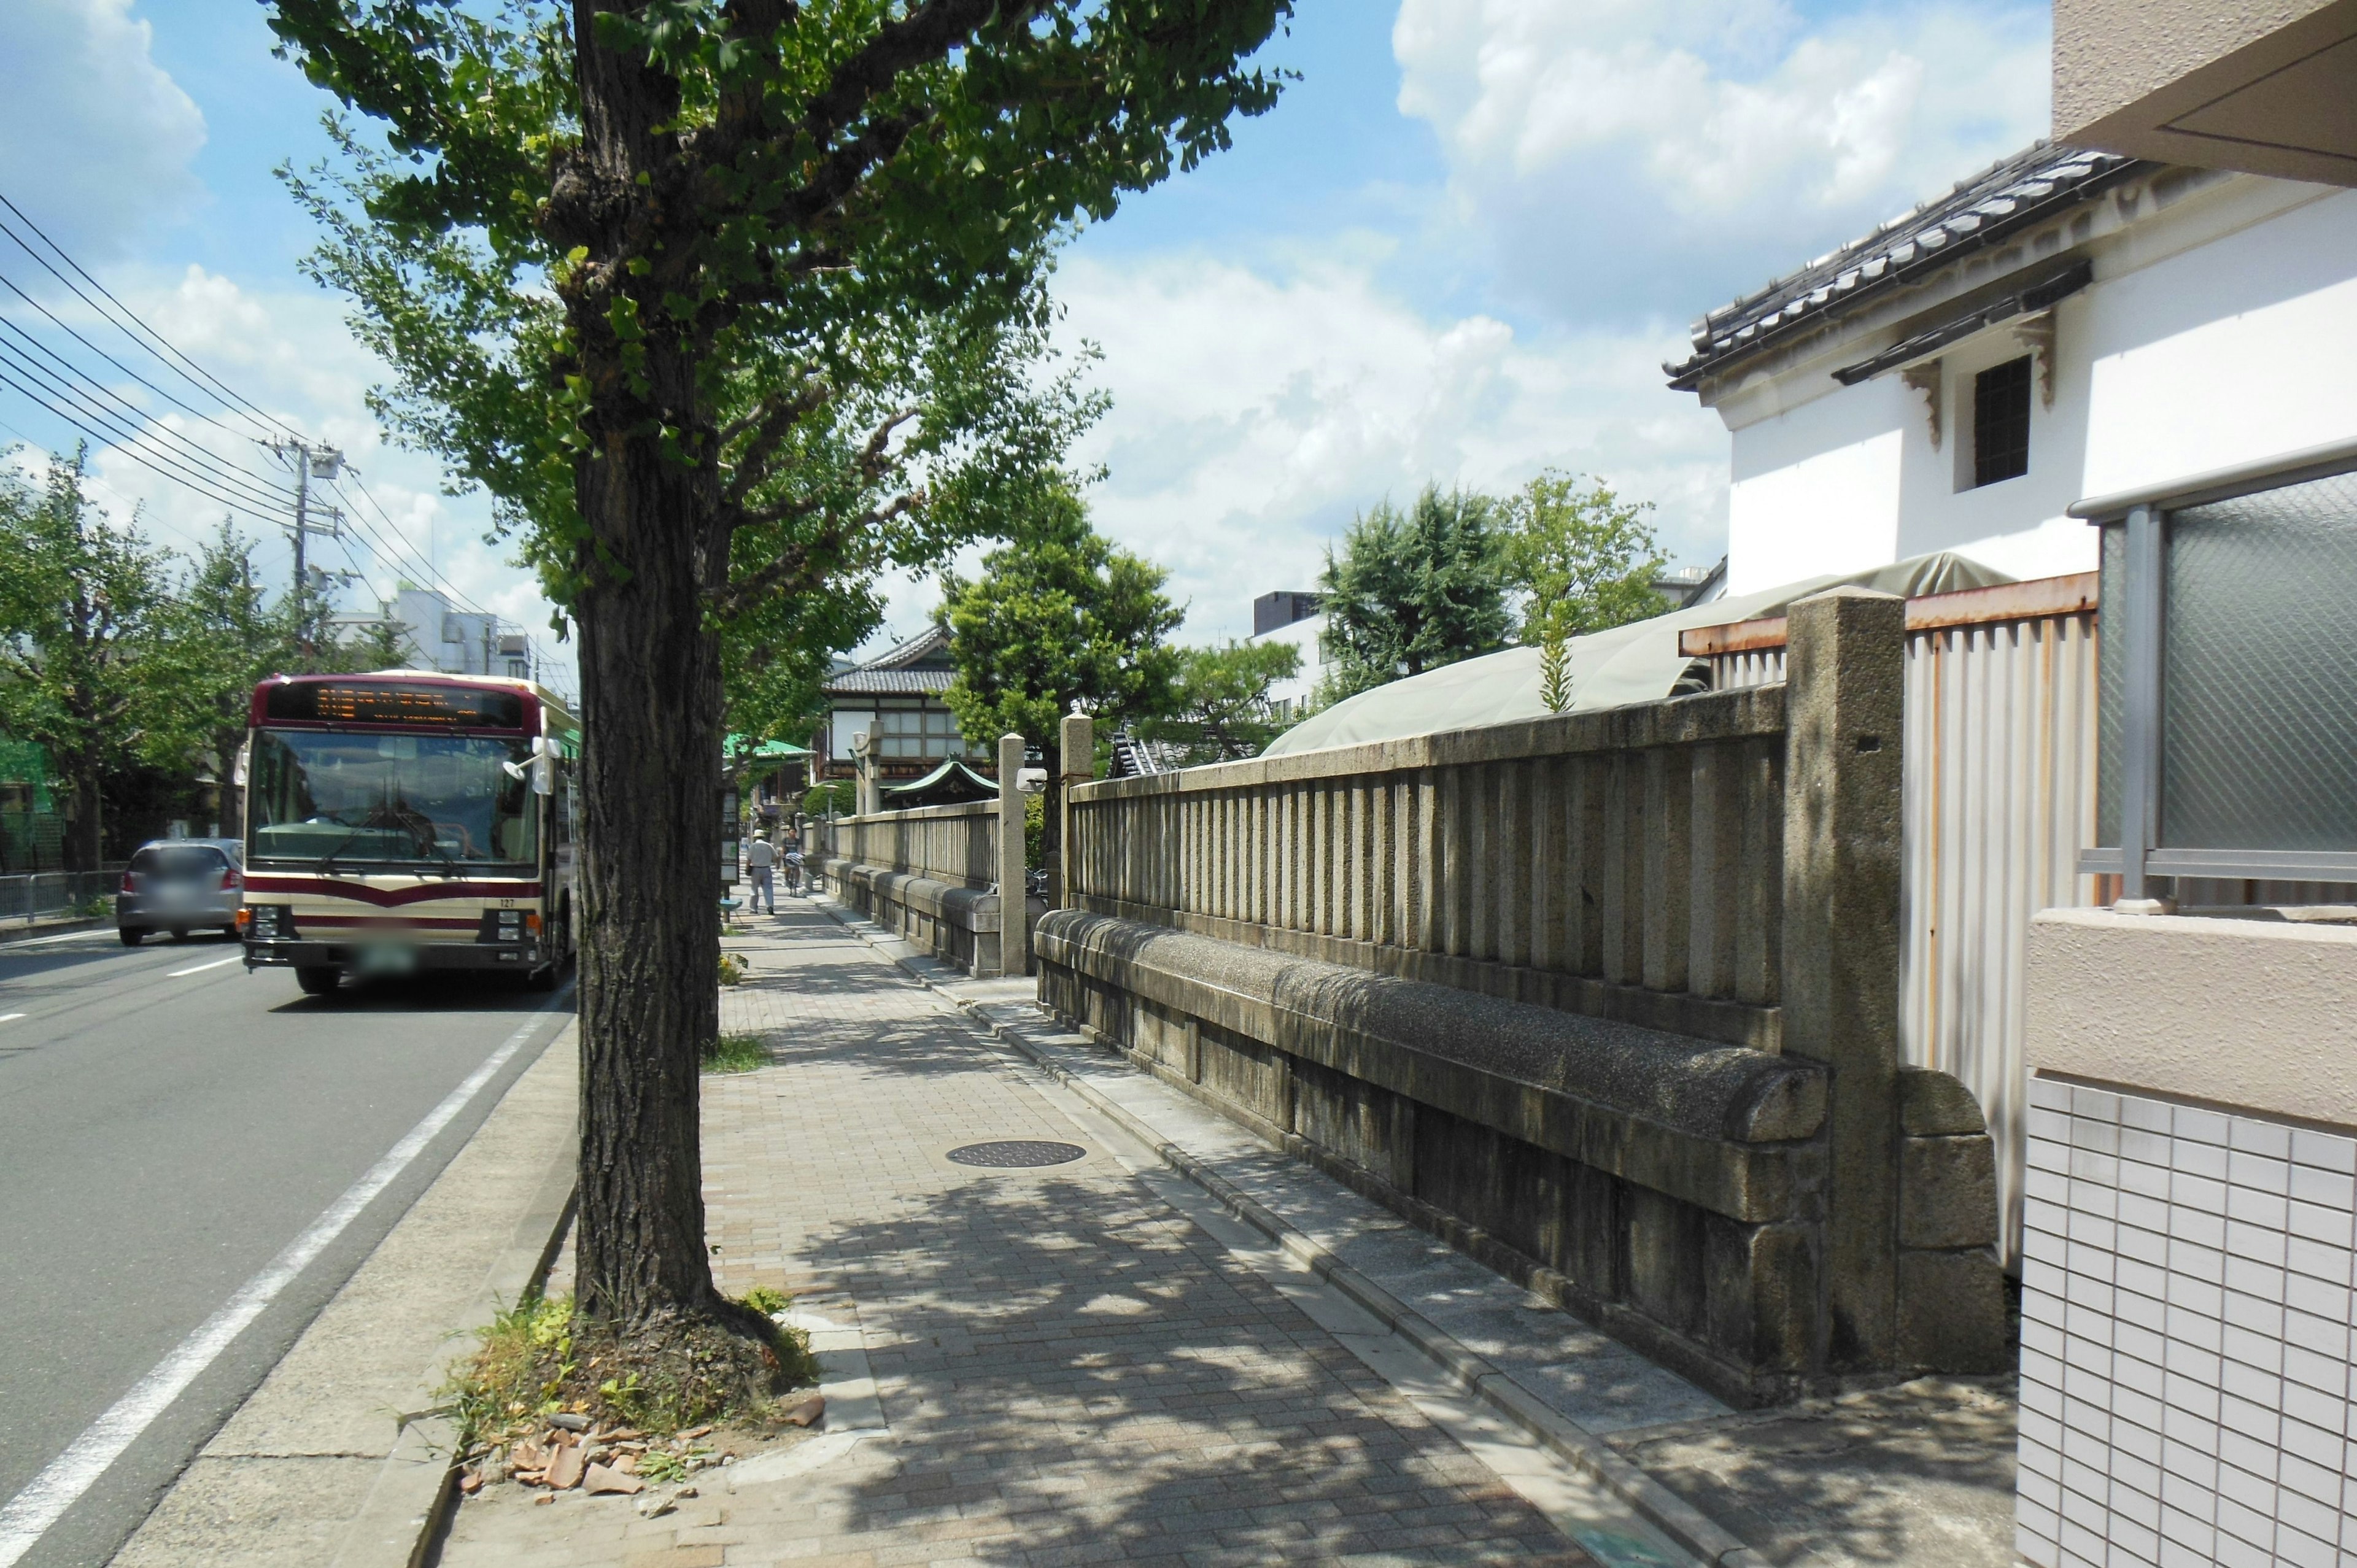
column 392, row 799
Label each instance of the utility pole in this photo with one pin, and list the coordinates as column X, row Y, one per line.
column 310, row 462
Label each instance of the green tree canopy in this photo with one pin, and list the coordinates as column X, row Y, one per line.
column 82, row 607
column 220, row 636
column 1220, row 708
column 1584, row 561
column 1060, row 619
column 725, row 299
column 1413, row 591
column 1584, row 558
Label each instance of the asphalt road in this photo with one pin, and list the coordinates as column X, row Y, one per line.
column 169, row 1123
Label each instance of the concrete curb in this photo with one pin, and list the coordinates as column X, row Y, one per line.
column 416, row 1491
column 39, row 928
column 1583, row 1450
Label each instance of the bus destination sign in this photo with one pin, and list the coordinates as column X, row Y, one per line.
column 393, row 703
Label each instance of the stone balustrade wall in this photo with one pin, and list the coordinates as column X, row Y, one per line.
column 1609, row 999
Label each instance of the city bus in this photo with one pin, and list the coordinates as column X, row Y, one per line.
column 407, row 821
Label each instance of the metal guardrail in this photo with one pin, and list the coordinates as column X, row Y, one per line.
column 53, row 895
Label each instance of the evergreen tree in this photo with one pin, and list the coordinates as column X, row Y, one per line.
column 1413, row 591
column 1219, row 709
column 1059, row 620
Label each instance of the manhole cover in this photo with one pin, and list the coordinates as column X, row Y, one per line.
column 1016, row 1153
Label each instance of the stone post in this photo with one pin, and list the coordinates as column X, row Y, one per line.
column 1844, row 696
column 1014, row 898
column 1078, row 749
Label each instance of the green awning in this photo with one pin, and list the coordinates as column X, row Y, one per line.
column 952, row 782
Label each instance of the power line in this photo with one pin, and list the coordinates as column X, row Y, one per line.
column 159, row 464
column 92, row 479
column 9, row 284
column 130, row 326
column 218, row 468
column 166, row 462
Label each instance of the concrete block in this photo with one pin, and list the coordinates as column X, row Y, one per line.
column 1762, row 1292
column 1933, row 1104
column 1952, row 1311
column 1947, row 1190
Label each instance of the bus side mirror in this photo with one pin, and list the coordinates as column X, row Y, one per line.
column 543, row 766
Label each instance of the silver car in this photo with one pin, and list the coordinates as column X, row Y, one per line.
column 180, row 886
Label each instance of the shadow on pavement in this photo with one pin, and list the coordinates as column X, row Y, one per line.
column 457, row 991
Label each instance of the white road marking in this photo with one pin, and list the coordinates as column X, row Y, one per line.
column 30, row 1514
column 200, row 969
column 9, row 1017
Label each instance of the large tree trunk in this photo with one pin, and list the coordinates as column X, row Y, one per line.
column 83, row 839
column 650, row 761
column 649, row 879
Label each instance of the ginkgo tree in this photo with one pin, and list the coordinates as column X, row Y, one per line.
column 725, row 302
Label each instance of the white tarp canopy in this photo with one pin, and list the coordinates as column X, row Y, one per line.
column 1635, row 663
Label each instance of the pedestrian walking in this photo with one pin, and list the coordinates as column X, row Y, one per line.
column 759, row 859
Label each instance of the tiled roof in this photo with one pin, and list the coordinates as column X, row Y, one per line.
column 905, row 683
column 916, row 666
column 2020, row 192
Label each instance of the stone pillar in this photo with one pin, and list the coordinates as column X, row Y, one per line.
column 1078, row 749
column 1014, row 910
column 1844, row 696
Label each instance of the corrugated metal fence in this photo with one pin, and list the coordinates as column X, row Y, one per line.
column 2000, row 798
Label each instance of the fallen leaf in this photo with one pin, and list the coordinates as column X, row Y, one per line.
column 807, row 1410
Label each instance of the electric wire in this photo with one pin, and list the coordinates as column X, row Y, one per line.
column 10, row 284
column 219, row 472
column 210, row 384
column 162, row 466
column 98, row 397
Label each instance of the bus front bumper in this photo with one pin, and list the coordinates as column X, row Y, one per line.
column 393, row 958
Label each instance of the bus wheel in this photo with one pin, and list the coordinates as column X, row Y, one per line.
column 318, row 980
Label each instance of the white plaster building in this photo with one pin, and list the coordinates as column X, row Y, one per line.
column 2173, row 321
column 1292, row 617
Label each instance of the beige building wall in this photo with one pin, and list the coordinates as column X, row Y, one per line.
column 2263, row 86
column 2249, row 1014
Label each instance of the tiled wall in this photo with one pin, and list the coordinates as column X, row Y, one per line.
column 2185, row 1337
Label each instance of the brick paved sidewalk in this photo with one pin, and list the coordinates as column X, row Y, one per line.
column 1069, row 1370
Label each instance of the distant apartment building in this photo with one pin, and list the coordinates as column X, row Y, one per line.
column 1292, row 616
column 436, row 636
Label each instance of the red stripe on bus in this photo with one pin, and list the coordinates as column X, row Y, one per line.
column 391, row 897
column 387, row 922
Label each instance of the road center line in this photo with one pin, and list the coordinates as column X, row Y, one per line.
column 29, row 1514
column 200, row 969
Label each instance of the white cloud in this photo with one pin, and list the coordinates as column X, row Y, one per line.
column 1614, row 152
column 292, row 355
column 96, row 140
column 1253, row 415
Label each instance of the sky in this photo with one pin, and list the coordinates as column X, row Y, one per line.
column 1457, row 253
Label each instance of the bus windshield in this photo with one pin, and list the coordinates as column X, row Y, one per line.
column 398, row 800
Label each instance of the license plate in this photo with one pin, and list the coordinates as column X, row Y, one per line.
column 385, row 959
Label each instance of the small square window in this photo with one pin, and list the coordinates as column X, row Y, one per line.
column 2001, row 422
